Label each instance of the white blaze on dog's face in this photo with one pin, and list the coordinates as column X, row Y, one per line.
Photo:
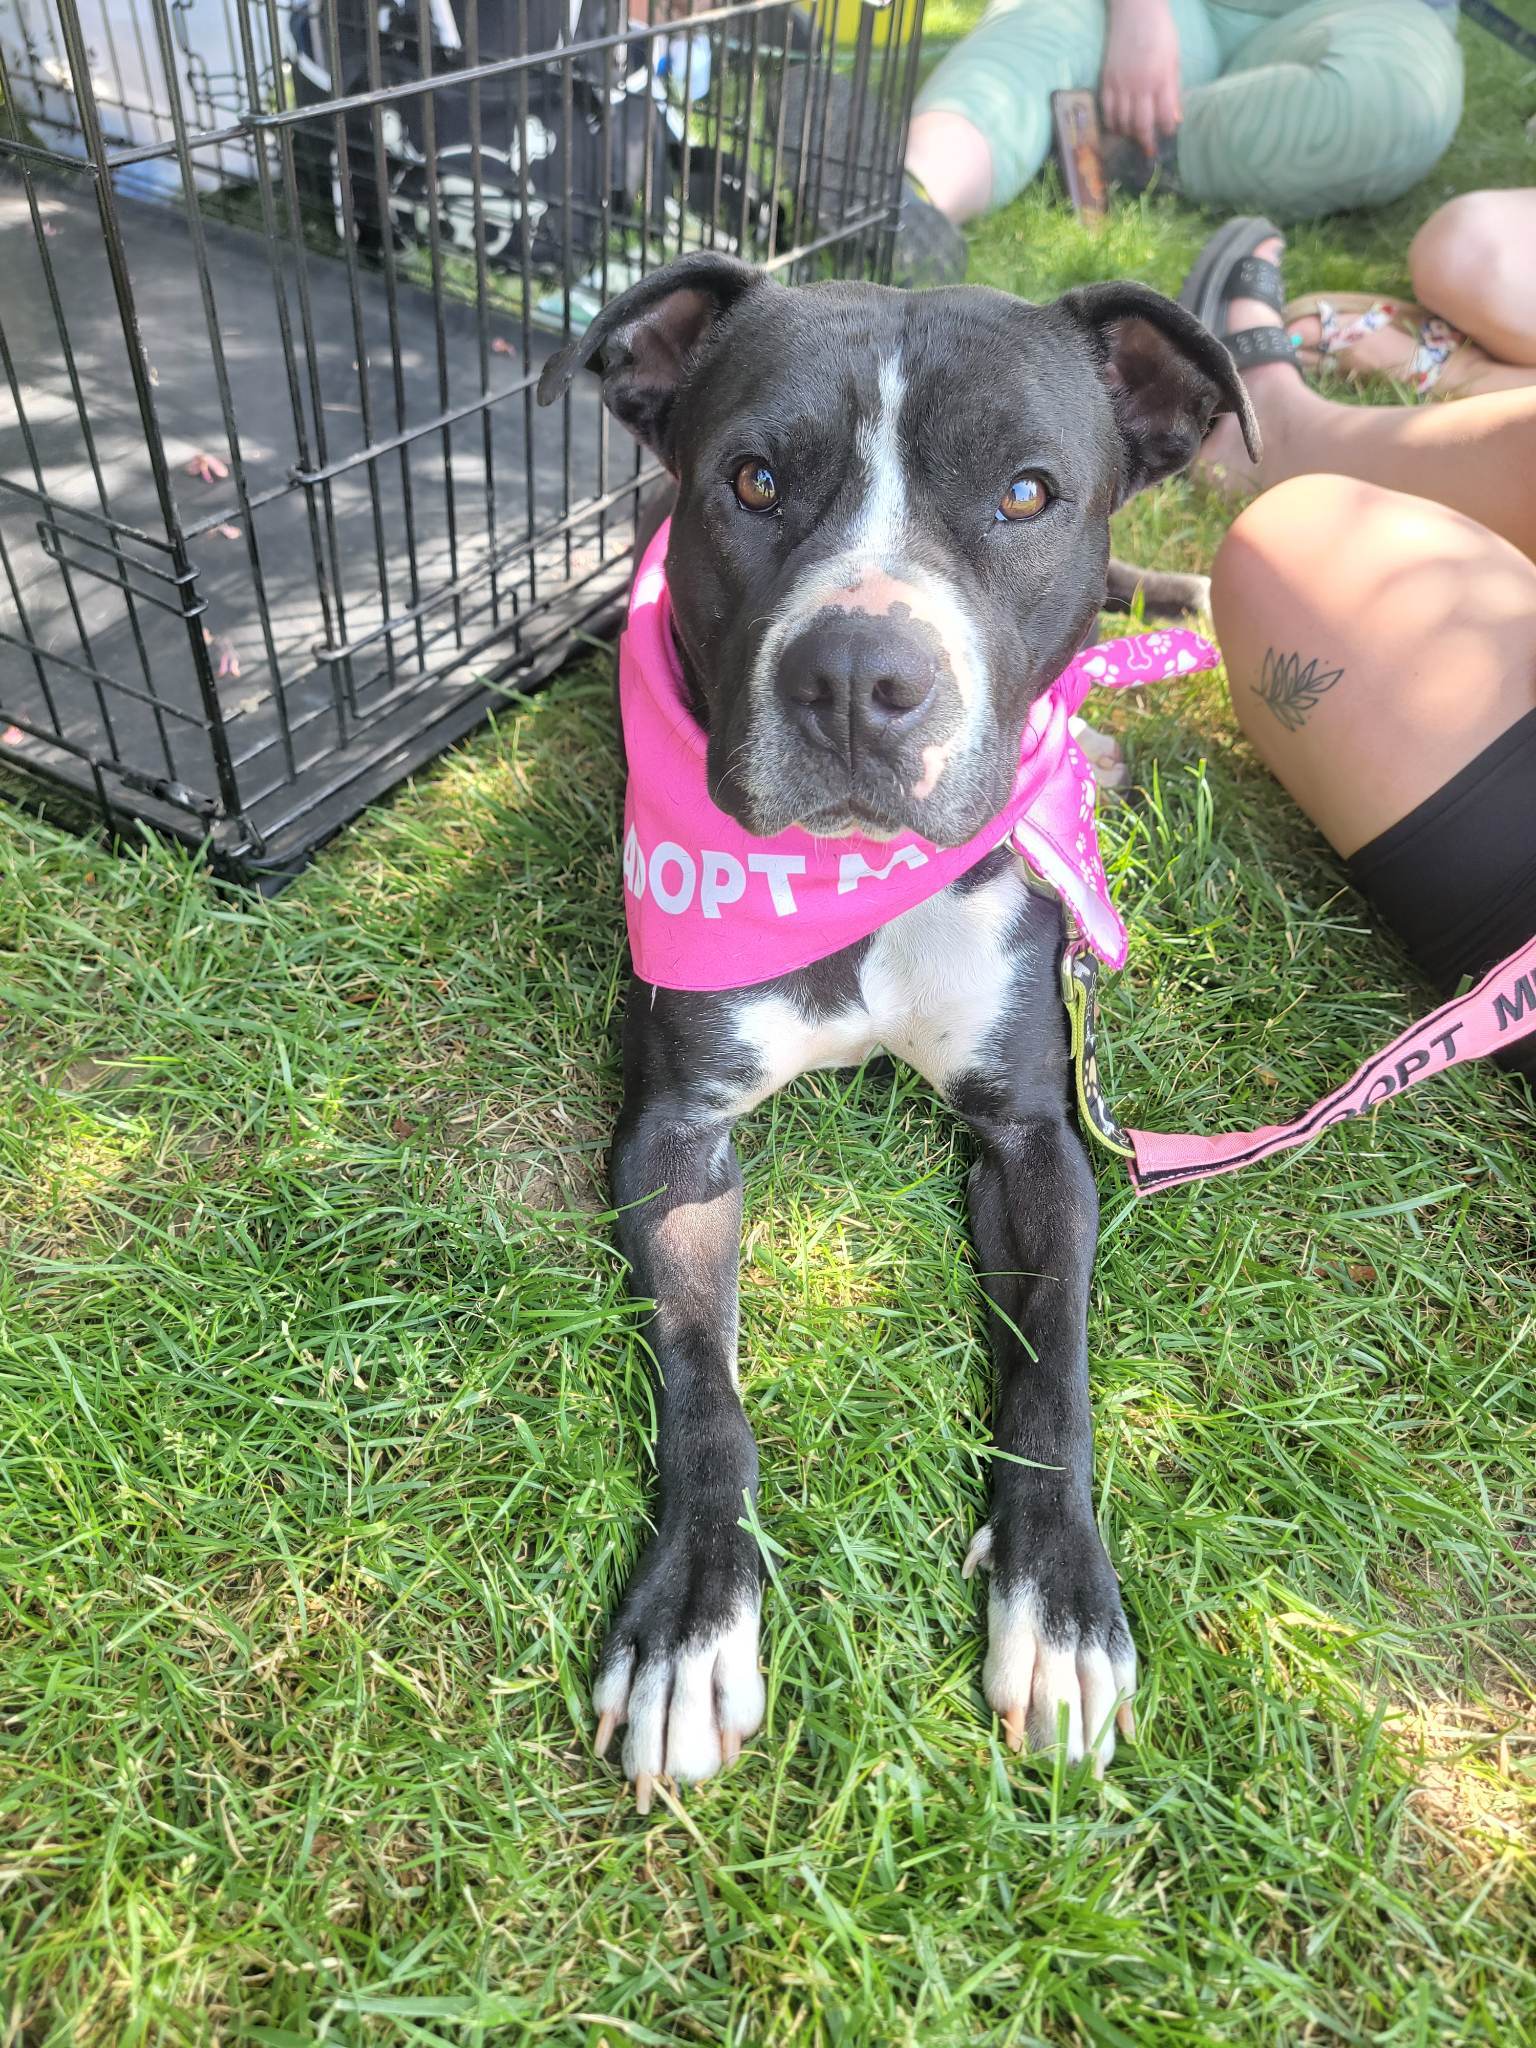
column 870, row 645
column 892, row 518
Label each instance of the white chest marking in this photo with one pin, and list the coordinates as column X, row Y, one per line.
column 932, row 988
column 869, row 570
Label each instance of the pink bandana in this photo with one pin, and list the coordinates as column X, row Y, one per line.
column 712, row 907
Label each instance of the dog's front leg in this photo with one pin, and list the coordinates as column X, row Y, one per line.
column 1057, row 1636
column 680, row 1664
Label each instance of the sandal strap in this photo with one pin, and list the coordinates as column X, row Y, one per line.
column 1255, row 345
column 1255, row 277
column 1329, row 327
column 1437, row 342
column 1338, row 332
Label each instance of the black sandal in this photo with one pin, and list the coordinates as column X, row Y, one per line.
column 1227, row 269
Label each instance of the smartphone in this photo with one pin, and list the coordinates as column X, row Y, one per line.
column 1079, row 148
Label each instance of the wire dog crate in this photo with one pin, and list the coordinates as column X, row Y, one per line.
column 279, row 516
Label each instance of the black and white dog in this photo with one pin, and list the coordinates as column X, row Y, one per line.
column 826, row 441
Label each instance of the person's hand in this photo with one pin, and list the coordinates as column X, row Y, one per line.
column 1139, row 84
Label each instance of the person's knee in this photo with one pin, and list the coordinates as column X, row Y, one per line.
column 1410, row 75
column 1359, row 97
column 1459, row 257
column 1400, row 69
column 1281, row 540
column 1000, row 78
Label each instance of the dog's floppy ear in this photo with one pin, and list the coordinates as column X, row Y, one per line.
column 642, row 340
column 1168, row 377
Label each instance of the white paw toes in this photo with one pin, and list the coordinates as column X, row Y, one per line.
column 1057, row 1687
column 689, row 1709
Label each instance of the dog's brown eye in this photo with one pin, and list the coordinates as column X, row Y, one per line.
column 1025, row 498
column 755, row 487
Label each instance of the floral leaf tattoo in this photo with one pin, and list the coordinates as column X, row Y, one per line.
column 1290, row 690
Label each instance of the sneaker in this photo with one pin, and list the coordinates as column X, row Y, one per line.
column 1128, row 168
column 844, row 179
column 929, row 249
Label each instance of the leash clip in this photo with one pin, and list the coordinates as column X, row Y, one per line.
column 1080, row 994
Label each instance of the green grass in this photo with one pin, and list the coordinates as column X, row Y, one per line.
column 325, row 1450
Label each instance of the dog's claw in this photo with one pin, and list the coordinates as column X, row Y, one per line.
column 1061, row 1691
column 688, row 1706
column 980, row 1552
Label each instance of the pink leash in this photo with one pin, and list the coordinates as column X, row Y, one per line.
column 1499, row 1012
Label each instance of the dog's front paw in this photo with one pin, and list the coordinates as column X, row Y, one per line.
column 680, row 1667
column 1056, row 1639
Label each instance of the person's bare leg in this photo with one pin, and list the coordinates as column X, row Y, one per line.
column 1375, row 644
column 950, row 159
column 1472, row 263
column 1477, row 457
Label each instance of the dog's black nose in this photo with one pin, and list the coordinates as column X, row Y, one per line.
column 851, row 680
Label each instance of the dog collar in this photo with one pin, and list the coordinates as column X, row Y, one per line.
column 710, row 906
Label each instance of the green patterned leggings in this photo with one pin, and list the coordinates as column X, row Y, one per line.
column 1321, row 106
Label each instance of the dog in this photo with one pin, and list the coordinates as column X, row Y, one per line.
column 889, row 534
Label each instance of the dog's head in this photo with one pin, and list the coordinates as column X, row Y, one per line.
column 892, row 517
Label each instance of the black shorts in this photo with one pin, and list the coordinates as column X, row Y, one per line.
column 1456, row 878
